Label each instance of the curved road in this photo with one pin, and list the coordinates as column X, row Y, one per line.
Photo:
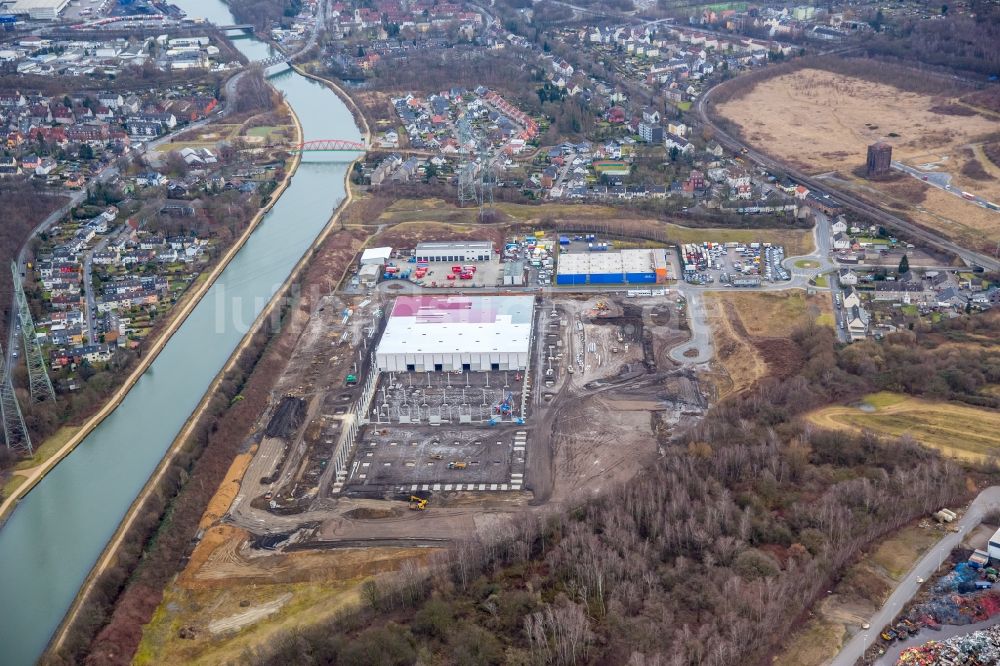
column 848, row 201
column 986, row 501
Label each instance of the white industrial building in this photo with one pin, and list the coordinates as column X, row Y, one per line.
column 456, row 334
column 993, row 548
column 454, row 251
column 377, row 256
column 39, row 10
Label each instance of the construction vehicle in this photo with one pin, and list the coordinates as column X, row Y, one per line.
column 352, row 380
column 417, row 503
column 457, row 465
column 888, row 635
column 437, row 456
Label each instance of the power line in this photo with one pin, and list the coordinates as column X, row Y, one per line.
column 15, row 433
column 38, row 375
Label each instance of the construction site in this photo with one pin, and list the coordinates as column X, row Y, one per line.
column 430, row 402
column 403, row 423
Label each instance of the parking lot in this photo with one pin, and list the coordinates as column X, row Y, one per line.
column 85, row 10
column 734, row 264
column 442, row 274
column 415, row 458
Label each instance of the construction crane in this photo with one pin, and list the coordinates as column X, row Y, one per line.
column 417, row 503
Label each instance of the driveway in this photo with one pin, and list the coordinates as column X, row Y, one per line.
column 987, row 500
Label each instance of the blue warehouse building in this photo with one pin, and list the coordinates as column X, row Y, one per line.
column 608, row 268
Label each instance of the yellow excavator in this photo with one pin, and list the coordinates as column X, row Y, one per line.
column 417, row 503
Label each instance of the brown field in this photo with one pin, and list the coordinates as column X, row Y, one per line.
column 823, row 122
column 751, row 329
column 424, row 217
column 956, row 430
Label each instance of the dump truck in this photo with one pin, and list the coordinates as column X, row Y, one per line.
column 457, row 465
column 417, row 503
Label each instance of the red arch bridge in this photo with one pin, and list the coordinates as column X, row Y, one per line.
column 331, row 145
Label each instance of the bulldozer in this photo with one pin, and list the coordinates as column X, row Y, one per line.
column 417, row 503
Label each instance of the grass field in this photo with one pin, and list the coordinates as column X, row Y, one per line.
column 796, row 241
column 775, row 314
column 823, row 122
column 738, row 318
column 48, row 447
column 806, row 263
column 958, row 431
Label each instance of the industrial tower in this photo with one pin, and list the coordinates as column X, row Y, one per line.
column 15, row 433
column 38, row 376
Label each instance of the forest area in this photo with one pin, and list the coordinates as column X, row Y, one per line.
column 962, row 42
column 263, row 13
column 739, row 528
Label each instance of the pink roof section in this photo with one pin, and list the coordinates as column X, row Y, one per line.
column 457, row 309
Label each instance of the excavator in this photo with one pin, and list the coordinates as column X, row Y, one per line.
column 417, row 503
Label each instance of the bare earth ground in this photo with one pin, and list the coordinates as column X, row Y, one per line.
column 953, row 429
column 823, row 122
column 751, row 333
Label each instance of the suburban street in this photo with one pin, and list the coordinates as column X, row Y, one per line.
column 90, row 305
column 907, row 588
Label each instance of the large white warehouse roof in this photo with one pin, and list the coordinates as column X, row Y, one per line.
column 458, row 325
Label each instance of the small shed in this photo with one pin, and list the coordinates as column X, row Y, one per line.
column 369, row 273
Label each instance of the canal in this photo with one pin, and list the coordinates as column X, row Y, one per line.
column 58, row 531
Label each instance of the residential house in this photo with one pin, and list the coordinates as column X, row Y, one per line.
column 951, row 298
column 847, row 277
column 680, row 143
column 851, row 298
column 857, row 322
column 841, row 241
column 9, row 166
column 900, row 291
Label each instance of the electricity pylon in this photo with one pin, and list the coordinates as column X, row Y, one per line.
column 38, row 376
column 15, row 433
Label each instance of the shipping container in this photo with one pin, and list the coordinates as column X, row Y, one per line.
column 564, row 240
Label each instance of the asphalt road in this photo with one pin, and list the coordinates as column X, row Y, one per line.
column 940, row 180
column 858, row 206
column 987, row 500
